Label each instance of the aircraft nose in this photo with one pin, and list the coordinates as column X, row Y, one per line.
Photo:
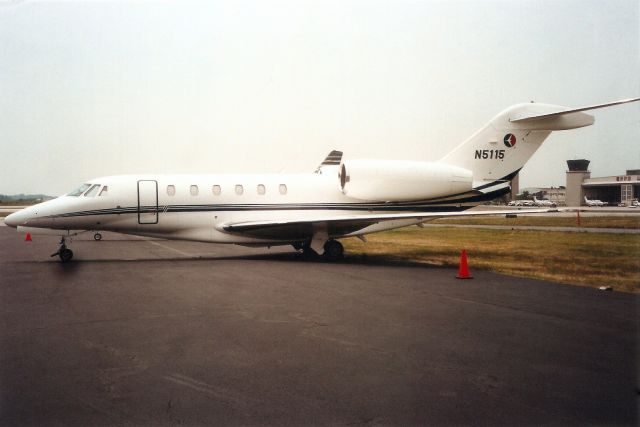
column 15, row 219
column 11, row 220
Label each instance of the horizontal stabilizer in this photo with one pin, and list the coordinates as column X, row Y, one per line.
column 536, row 117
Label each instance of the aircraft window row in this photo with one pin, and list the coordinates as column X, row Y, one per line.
column 217, row 190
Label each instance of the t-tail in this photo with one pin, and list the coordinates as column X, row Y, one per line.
column 499, row 150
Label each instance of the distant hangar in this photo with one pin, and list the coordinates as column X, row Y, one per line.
column 619, row 189
column 612, row 189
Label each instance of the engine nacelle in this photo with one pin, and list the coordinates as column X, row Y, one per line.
column 396, row 180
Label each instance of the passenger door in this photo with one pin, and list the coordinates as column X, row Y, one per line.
column 147, row 202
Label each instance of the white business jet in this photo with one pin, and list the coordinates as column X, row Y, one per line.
column 309, row 211
column 594, row 202
column 544, row 203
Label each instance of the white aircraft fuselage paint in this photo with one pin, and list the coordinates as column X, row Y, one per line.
column 199, row 217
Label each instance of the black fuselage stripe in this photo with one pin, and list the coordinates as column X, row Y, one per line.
column 425, row 209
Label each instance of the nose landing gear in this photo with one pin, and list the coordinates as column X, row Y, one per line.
column 64, row 253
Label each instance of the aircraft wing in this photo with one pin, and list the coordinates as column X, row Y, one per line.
column 345, row 225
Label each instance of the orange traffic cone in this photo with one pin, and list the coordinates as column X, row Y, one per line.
column 27, row 238
column 463, row 272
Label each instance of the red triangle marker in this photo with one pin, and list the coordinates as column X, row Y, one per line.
column 27, row 238
column 463, row 271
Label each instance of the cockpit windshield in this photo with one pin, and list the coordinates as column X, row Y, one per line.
column 78, row 191
column 92, row 191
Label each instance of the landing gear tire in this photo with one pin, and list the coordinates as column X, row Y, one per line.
column 66, row 255
column 97, row 236
column 333, row 250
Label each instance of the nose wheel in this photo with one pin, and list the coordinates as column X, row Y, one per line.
column 64, row 253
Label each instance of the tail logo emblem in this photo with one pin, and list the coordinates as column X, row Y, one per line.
column 509, row 140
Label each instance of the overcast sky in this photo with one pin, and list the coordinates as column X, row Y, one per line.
column 90, row 89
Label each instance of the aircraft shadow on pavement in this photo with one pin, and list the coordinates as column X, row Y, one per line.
column 373, row 259
column 286, row 257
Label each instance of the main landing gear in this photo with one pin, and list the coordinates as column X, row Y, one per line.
column 64, row 253
column 332, row 250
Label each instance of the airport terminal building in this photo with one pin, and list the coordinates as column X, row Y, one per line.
column 579, row 184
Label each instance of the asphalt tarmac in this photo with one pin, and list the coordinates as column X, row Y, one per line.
column 150, row 332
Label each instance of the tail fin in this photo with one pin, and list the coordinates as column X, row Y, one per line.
column 501, row 148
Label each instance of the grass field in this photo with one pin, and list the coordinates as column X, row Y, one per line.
column 587, row 259
column 627, row 221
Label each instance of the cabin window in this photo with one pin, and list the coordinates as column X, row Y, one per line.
column 78, row 191
column 171, row 190
column 216, row 190
column 283, row 189
column 92, row 191
column 193, row 190
column 104, row 191
column 261, row 189
column 239, row 190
